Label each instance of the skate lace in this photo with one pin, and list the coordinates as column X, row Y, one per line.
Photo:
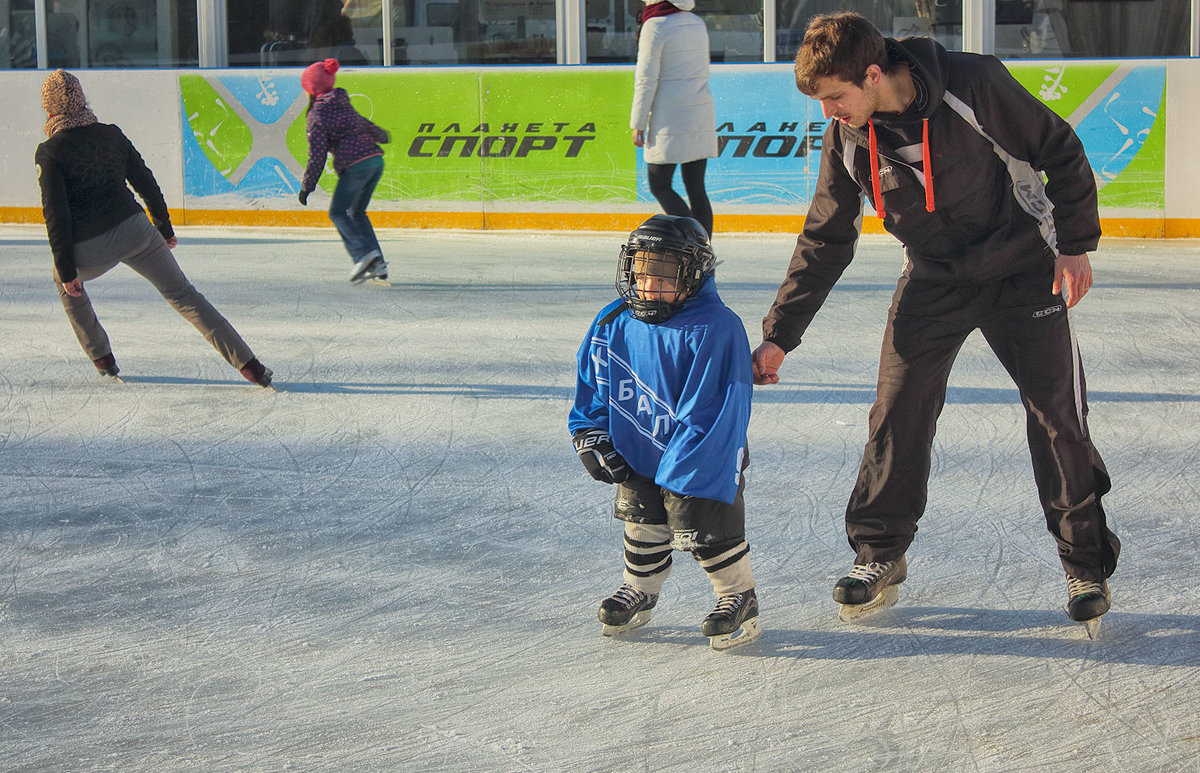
column 727, row 605
column 869, row 573
column 1076, row 587
column 629, row 596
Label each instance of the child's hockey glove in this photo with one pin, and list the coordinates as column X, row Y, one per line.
column 596, row 451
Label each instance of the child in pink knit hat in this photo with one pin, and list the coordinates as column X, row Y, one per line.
column 334, row 126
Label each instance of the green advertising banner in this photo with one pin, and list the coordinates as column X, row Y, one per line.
column 545, row 139
column 537, row 135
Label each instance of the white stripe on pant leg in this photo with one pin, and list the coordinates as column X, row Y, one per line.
column 647, row 539
column 736, row 577
column 1076, row 368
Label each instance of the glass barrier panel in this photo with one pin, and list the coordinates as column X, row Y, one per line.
column 1052, row 29
column 121, row 34
column 296, row 33
column 431, row 32
column 938, row 19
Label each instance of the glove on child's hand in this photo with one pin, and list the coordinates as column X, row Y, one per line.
column 303, row 198
column 596, row 451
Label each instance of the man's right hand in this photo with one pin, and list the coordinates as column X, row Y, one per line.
column 767, row 359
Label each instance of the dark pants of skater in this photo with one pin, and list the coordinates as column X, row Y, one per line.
column 1030, row 331
column 138, row 245
column 659, row 177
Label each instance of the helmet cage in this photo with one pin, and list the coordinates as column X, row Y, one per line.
column 680, row 262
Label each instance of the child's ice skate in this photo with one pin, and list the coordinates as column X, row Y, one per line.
column 626, row 609
column 359, row 272
column 733, row 622
column 377, row 273
column 869, row 588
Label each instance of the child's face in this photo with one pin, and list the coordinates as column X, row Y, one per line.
column 655, row 275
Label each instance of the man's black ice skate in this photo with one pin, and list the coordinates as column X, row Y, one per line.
column 733, row 621
column 1088, row 600
column 626, row 609
column 869, row 588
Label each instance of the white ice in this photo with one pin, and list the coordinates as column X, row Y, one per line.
column 394, row 561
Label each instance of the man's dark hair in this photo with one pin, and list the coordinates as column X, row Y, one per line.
column 841, row 46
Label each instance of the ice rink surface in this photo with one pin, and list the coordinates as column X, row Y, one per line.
column 394, row 561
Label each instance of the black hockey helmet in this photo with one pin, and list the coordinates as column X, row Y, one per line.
column 662, row 265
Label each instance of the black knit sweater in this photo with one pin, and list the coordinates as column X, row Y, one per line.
column 82, row 172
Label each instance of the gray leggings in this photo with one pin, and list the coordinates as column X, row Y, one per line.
column 137, row 244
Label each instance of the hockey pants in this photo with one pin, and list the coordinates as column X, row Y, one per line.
column 658, row 521
column 1030, row 331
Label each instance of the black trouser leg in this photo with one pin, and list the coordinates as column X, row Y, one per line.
column 1032, row 336
column 923, row 336
column 915, row 364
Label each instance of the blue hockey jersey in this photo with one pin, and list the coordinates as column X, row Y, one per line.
column 675, row 396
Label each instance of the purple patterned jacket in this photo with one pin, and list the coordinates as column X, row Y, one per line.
column 334, row 125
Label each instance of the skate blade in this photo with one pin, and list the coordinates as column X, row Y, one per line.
column 750, row 631
column 1091, row 627
column 637, row 621
column 886, row 599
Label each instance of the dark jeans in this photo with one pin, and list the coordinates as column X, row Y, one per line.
column 1030, row 332
column 348, row 209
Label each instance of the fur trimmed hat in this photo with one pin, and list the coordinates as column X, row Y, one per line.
column 319, row 77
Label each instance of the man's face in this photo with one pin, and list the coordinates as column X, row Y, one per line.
column 655, row 275
column 845, row 102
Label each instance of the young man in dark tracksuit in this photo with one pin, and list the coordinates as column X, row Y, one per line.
column 951, row 151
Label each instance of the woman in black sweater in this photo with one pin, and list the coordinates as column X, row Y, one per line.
column 93, row 223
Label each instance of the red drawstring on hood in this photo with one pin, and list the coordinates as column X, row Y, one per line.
column 927, row 165
column 873, row 150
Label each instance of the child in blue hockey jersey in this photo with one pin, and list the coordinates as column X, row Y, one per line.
column 662, row 403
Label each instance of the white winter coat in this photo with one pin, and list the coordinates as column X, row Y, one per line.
column 671, row 100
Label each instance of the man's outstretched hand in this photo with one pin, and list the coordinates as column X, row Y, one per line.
column 767, row 359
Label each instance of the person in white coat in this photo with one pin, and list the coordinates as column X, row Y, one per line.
column 673, row 118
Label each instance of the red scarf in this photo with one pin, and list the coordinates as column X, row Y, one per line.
column 663, row 8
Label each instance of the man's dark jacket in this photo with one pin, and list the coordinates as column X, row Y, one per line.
column 990, row 142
